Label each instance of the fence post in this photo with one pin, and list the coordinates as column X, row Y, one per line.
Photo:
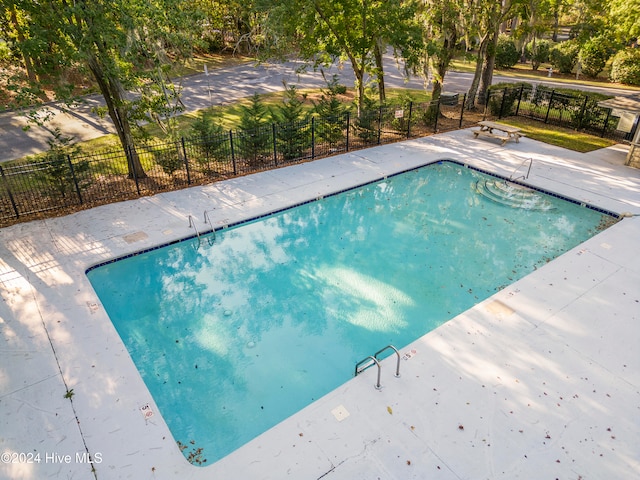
column 409, row 120
column 348, row 128
column 504, row 96
column 186, row 160
column 519, row 99
column 464, row 102
column 75, row 180
column 546, row 118
column 582, row 111
column 606, row 121
column 130, row 160
column 275, row 148
column 233, row 153
column 379, row 123
column 313, row 138
column 6, row 186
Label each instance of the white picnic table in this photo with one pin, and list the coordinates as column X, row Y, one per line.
column 488, row 129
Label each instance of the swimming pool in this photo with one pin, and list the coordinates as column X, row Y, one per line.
column 233, row 337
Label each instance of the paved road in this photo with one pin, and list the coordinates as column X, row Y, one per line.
column 200, row 91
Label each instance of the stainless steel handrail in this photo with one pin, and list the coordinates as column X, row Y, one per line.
column 360, row 367
column 192, row 224
column 376, row 362
column 530, row 160
column 397, row 354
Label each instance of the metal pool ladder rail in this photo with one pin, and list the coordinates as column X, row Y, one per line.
column 192, row 224
column 371, row 360
column 530, row 160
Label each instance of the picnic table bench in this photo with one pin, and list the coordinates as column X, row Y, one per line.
column 487, row 129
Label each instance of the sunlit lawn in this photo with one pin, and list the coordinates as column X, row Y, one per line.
column 559, row 136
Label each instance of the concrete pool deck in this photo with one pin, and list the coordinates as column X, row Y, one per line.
column 540, row 381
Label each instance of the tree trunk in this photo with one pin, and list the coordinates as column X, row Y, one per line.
column 28, row 64
column 378, row 54
column 113, row 94
column 473, row 89
column 488, row 65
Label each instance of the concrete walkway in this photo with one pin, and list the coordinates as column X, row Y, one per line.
column 540, row 381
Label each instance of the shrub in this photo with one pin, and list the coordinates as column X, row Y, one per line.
column 400, row 124
column 538, row 52
column 564, row 56
column 366, row 125
column 169, row 159
column 331, row 110
column 507, row 54
column 626, row 66
column 291, row 137
column 58, row 172
column 253, row 137
column 497, row 91
column 594, row 55
column 211, row 141
column 5, row 52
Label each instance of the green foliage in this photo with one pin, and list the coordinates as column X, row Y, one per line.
column 5, row 52
column 122, row 44
column 564, row 56
column 626, row 66
column 331, row 110
column 291, row 138
column 399, row 124
column 594, row 54
column 59, row 172
column 253, row 138
column 170, row 159
column 503, row 97
column 538, row 52
column 211, row 140
column 366, row 125
column 507, row 54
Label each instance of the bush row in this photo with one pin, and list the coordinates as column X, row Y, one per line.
column 590, row 58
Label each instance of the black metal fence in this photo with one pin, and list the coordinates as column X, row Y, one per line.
column 579, row 112
column 61, row 184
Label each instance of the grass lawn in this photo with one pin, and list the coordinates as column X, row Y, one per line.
column 524, row 71
column 228, row 116
column 559, row 136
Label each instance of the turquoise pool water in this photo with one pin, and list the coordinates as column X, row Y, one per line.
column 233, row 335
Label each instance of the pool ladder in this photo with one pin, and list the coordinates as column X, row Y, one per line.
column 192, row 224
column 524, row 177
column 372, row 360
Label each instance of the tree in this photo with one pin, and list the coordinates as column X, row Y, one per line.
column 211, row 140
column 538, row 52
column 625, row 67
column 291, row 138
column 331, row 111
column 487, row 17
column 625, row 19
column 594, row 55
column 440, row 23
column 355, row 31
column 564, row 55
column 253, row 137
column 120, row 43
column 506, row 52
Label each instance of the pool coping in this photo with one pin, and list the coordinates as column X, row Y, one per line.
column 49, row 306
